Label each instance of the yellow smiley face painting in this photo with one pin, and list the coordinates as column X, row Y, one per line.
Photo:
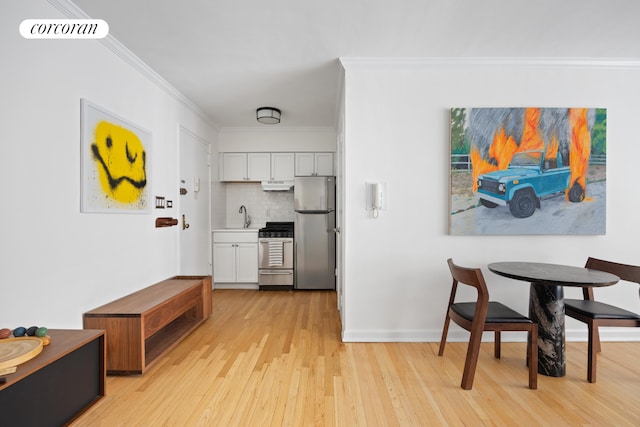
column 115, row 164
column 120, row 159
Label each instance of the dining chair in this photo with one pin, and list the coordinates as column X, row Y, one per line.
column 484, row 315
column 596, row 314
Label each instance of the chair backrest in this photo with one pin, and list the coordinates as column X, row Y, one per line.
column 626, row 272
column 468, row 276
column 629, row 273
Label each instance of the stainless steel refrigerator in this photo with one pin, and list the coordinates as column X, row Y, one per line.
column 314, row 203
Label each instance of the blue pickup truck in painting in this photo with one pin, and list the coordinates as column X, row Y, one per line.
column 528, row 178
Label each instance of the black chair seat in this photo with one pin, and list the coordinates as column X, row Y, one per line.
column 496, row 313
column 598, row 310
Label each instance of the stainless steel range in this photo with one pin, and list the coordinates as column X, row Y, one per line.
column 275, row 256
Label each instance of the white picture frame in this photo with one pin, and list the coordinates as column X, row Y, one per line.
column 115, row 163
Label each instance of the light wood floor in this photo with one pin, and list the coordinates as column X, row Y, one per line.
column 275, row 358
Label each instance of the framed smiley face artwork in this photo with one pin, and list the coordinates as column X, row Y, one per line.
column 115, row 163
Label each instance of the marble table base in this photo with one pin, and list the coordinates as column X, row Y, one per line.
column 546, row 307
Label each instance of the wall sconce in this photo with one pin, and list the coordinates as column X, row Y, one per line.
column 268, row 115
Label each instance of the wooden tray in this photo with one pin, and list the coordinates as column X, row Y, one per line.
column 14, row 351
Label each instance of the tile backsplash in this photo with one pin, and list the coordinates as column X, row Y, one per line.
column 262, row 206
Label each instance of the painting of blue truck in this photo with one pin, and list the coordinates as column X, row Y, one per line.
column 527, row 170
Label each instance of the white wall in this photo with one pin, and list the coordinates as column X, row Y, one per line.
column 56, row 262
column 396, row 280
column 277, row 138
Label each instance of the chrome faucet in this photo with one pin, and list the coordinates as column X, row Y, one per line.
column 247, row 218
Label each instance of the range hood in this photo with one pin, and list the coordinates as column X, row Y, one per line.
column 277, row 185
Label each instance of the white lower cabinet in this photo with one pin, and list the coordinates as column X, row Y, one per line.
column 235, row 256
column 247, row 262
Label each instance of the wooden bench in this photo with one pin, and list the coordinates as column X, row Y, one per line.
column 145, row 325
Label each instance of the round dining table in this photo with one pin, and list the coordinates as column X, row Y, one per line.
column 546, row 303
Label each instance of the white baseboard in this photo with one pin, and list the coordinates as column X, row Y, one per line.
column 423, row 335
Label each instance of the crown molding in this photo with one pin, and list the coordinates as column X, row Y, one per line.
column 513, row 62
column 72, row 11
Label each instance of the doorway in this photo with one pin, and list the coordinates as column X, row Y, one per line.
column 194, row 241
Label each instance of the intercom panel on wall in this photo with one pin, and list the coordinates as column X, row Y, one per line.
column 376, row 197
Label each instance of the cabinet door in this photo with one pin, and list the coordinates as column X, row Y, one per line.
column 258, row 166
column 282, row 166
column 324, row 164
column 305, row 164
column 224, row 262
column 247, row 262
column 234, row 166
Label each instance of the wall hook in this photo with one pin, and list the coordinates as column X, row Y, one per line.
column 166, row 222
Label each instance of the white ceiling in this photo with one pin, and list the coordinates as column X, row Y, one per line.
column 230, row 57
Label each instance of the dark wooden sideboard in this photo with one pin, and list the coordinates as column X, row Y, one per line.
column 145, row 325
column 57, row 385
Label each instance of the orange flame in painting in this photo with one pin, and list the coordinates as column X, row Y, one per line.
column 504, row 146
column 552, row 148
column 531, row 139
column 502, row 149
column 479, row 166
column 580, row 146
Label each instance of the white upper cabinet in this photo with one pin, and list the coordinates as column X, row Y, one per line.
column 233, row 167
column 245, row 167
column 258, row 166
column 274, row 166
column 324, row 164
column 305, row 164
column 282, row 166
column 314, row 164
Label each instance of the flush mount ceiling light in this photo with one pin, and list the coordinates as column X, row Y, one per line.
column 268, row 115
